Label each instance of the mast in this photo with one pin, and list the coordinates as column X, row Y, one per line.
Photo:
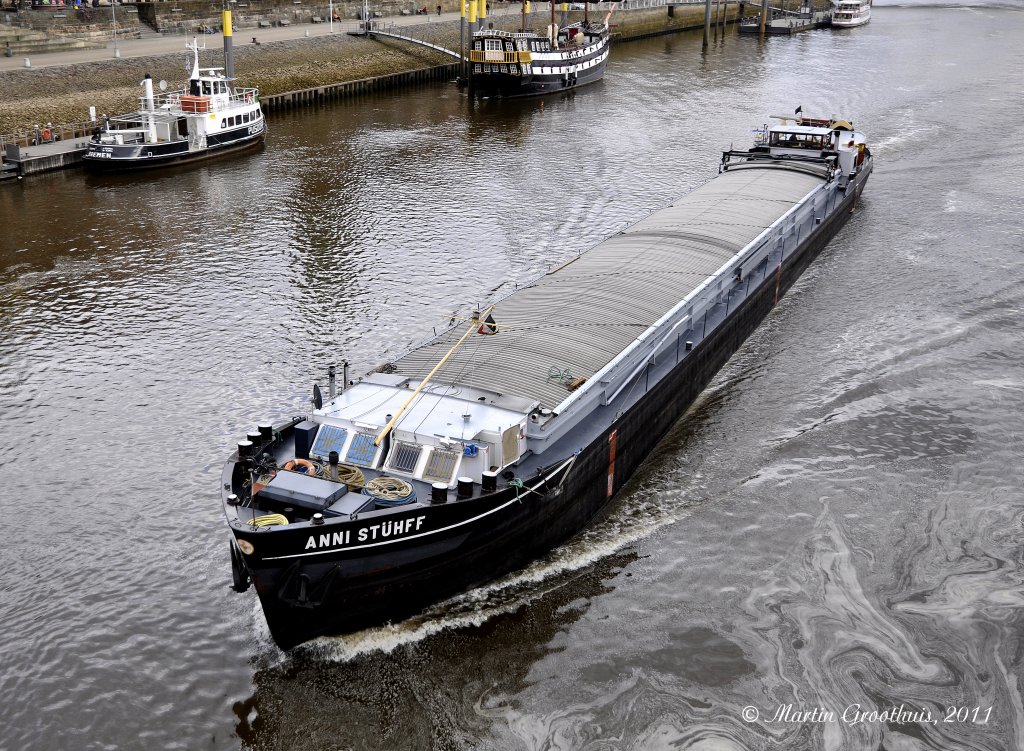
column 193, row 79
column 147, row 90
column 479, row 319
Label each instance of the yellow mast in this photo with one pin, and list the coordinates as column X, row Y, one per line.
column 390, row 426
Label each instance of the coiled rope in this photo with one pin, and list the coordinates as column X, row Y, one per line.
column 351, row 476
column 390, row 491
column 269, row 520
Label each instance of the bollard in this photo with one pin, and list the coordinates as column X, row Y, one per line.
column 28, row 64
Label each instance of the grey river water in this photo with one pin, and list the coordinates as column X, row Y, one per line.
column 837, row 524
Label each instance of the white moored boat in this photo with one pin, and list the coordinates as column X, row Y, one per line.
column 846, row 13
column 210, row 118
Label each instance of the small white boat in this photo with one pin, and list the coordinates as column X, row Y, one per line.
column 210, row 118
column 849, row 13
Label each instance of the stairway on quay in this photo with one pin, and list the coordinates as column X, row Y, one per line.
column 25, row 42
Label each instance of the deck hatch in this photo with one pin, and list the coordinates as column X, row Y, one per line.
column 329, row 438
column 404, row 457
column 441, row 465
column 362, row 452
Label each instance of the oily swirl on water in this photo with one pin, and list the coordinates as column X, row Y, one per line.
column 845, row 651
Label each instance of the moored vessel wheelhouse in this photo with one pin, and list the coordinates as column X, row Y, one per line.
column 509, row 432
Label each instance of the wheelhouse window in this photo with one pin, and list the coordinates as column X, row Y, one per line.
column 814, row 141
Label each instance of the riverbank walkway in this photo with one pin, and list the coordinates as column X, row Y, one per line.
column 153, row 43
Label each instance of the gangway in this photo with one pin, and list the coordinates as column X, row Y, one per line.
column 405, row 38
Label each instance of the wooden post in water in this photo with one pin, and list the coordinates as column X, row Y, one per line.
column 764, row 14
column 707, row 22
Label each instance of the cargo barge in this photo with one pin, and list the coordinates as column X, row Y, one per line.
column 502, row 437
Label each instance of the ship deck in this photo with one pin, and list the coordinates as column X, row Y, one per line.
column 571, row 322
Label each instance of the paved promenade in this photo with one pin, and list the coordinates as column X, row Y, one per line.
column 161, row 44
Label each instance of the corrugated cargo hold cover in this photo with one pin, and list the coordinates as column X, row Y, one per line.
column 579, row 317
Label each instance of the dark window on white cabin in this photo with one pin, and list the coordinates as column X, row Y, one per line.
column 798, row 140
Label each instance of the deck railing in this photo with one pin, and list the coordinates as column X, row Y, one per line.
column 499, row 56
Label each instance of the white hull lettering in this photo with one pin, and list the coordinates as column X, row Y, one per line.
column 384, row 530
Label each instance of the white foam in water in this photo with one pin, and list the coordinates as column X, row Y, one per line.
column 510, row 592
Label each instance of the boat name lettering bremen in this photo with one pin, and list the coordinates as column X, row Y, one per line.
column 366, row 534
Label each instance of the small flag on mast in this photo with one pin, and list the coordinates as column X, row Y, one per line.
column 489, row 326
column 799, row 110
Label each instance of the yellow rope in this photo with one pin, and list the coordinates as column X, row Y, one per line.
column 269, row 520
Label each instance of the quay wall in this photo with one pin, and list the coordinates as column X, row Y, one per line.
column 288, row 73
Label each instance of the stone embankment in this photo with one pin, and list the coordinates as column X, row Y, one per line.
column 31, row 97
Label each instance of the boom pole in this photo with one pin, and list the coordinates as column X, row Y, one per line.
column 391, row 424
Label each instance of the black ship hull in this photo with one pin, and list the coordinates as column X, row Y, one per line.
column 507, row 86
column 506, row 66
column 139, row 157
column 311, row 587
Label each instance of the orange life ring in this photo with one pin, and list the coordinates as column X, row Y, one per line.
column 293, row 463
column 47, row 134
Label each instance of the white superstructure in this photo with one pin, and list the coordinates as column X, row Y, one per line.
column 846, row 13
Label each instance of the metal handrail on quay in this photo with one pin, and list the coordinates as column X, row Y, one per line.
column 48, row 133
